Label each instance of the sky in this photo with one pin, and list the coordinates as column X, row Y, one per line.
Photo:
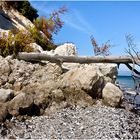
column 105, row 20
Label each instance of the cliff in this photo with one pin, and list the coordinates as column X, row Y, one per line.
column 10, row 19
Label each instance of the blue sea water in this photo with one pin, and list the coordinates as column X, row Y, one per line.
column 126, row 81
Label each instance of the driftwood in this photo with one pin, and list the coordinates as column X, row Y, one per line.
column 127, row 60
column 74, row 59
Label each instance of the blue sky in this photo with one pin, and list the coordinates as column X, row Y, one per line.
column 104, row 20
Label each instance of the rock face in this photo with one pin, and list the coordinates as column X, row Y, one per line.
column 112, row 95
column 5, row 22
column 84, row 78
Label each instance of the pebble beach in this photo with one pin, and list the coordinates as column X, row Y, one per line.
column 98, row 122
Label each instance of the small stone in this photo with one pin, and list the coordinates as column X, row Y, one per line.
column 17, row 86
column 6, row 95
column 3, row 111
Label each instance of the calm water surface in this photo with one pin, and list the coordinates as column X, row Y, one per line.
column 125, row 81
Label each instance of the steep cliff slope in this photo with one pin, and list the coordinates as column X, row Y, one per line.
column 10, row 18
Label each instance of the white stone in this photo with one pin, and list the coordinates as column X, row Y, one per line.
column 36, row 47
column 51, row 52
column 84, row 78
column 67, row 49
column 6, row 95
column 112, row 95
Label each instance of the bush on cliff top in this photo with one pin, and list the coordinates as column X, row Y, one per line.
column 41, row 39
column 19, row 41
column 46, row 27
column 13, row 43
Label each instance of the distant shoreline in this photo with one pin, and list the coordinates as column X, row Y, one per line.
column 124, row 75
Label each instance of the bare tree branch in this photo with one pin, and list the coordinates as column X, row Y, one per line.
column 103, row 50
column 136, row 60
column 131, row 68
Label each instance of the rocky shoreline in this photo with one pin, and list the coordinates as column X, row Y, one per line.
column 42, row 87
column 76, row 122
column 48, row 100
column 98, row 122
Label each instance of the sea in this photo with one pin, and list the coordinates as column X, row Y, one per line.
column 126, row 82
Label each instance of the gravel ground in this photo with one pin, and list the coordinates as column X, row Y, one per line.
column 99, row 122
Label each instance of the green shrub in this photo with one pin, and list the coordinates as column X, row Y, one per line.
column 14, row 43
column 19, row 41
column 41, row 39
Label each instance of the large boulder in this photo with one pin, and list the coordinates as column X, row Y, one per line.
column 6, row 95
column 68, row 97
column 44, row 93
column 108, row 70
column 46, row 99
column 42, row 96
column 111, row 95
column 20, row 104
column 67, row 49
column 84, row 78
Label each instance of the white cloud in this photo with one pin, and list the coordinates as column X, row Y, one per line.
column 75, row 26
column 76, row 20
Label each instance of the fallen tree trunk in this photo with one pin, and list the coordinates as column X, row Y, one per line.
column 74, row 59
